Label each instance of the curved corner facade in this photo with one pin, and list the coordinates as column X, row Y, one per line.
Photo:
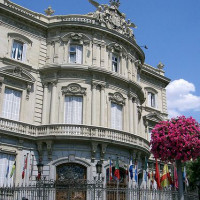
column 74, row 90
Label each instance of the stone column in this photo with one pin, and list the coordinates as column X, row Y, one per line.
column 102, row 104
column 93, row 120
column 56, row 52
column 102, row 59
column 44, row 106
column 131, row 114
column 135, row 114
column 129, row 69
column 53, row 102
column 94, row 54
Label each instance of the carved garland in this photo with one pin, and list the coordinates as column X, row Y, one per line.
column 73, row 89
column 117, row 98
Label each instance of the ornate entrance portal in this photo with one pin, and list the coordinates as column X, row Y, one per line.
column 70, row 179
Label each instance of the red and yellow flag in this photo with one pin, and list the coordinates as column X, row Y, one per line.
column 166, row 178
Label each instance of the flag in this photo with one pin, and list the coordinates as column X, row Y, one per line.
column 131, row 169
column 157, row 175
column 127, row 174
column 116, row 173
column 166, row 178
column 13, row 169
column 136, row 173
column 185, row 177
column 7, row 171
column 175, row 177
column 31, row 166
column 110, row 171
column 25, row 166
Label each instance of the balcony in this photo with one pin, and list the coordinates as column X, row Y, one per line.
column 72, row 132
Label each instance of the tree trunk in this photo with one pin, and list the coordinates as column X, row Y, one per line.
column 180, row 179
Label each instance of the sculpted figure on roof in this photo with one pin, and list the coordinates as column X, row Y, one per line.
column 109, row 16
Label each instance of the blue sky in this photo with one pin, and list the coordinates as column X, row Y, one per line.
column 170, row 29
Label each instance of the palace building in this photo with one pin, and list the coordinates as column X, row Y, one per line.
column 74, row 91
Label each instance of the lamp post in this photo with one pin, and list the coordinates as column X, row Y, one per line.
column 40, row 169
column 99, row 169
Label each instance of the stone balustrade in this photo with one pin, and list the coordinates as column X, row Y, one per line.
column 73, row 131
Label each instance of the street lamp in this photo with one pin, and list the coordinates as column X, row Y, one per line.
column 40, row 169
column 99, row 169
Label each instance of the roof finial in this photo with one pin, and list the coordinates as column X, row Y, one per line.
column 115, row 3
column 49, row 11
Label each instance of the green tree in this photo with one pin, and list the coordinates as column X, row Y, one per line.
column 193, row 174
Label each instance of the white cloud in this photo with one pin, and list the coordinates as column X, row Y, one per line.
column 180, row 97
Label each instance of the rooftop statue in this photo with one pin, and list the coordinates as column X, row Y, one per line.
column 109, row 16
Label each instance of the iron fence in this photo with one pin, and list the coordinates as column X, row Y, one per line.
column 87, row 192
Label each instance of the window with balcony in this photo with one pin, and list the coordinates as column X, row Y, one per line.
column 151, row 99
column 115, row 63
column 73, row 110
column 76, row 54
column 116, row 116
column 18, row 50
column 6, row 165
column 149, row 133
column 11, row 104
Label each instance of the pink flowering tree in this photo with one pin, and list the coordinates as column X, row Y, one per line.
column 177, row 140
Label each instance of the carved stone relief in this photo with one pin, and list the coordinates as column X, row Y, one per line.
column 74, row 89
column 117, row 98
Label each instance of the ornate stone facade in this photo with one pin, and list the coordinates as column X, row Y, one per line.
column 91, row 60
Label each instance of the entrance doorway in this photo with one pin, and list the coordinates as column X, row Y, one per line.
column 70, row 179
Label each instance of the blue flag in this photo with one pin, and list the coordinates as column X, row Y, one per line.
column 131, row 171
column 136, row 173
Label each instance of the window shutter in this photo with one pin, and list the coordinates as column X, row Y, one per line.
column 16, row 101
column 156, row 100
column 113, row 114
column 68, row 110
column 7, row 104
column 24, row 52
column 119, row 117
column 79, row 52
column 149, row 99
column 79, row 109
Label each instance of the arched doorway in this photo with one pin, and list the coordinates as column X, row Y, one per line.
column 70, row 181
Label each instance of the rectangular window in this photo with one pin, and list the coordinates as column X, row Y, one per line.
column 75, row 54
column 19, row 50
column 151, row 99
column 6, row 164
column 116, row 116
column 73, row 110
column 115, row 63
column 11, row 104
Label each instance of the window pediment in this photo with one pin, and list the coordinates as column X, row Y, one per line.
column 76, row 37
column 73, row 89
column 17, row 73
column 115, row 47
column 20, row 37
column 117, row 98
column 155, row 117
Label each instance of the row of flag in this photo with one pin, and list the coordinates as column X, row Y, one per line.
column 24, row 167
column 156, row 180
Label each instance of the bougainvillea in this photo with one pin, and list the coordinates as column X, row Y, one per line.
column 177, row 139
